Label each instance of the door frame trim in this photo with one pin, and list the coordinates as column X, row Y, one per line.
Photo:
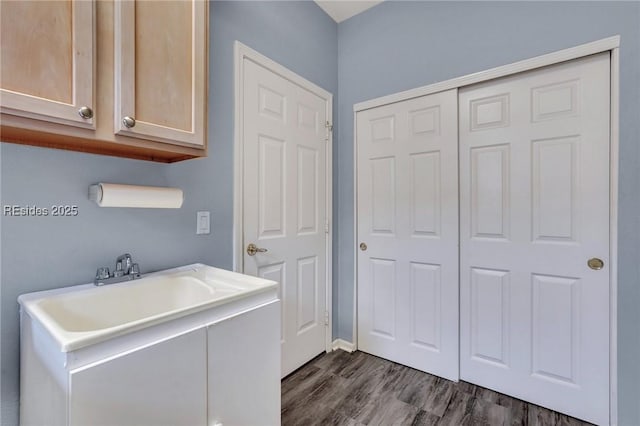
column 610, row 44
column 242, row 52
column 599, row 46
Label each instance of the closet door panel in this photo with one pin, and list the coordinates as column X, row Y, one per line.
column 408, row 226
column 534, row 208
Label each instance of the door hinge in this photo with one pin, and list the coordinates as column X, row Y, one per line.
column 329, row 128
column 326, row 317
column 326, row 226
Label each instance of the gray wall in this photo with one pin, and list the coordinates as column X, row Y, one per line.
column 44, row 253
column 401, row 45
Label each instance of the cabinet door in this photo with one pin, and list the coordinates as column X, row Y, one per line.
column 244, row 368
column 47, row 60
column 162, row 384
column 160, row 70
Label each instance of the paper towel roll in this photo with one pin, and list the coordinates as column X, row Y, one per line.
column 115, row 195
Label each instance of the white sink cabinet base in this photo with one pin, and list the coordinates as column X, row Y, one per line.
column 245, row 395
column 161, row 384
column 217, row 366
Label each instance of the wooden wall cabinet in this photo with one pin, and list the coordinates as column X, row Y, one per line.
column 160, row 65
column 47, row 61
column 124, row 78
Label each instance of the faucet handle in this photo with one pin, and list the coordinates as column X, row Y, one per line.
column 119, row 270
column 102, row 273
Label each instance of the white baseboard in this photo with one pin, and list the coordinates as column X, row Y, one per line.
column 344, row 345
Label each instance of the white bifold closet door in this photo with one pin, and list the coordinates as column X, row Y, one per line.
column 407, row 187
column 534, row 209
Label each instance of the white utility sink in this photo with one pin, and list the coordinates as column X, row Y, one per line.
column 185, row 346
column 82, row 315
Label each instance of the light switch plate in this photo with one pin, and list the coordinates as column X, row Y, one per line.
column 203, row 223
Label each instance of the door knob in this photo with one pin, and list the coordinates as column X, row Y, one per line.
column 595, row 263
column 363, row 246
column 252, row 249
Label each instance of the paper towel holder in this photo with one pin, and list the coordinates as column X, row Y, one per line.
column 135, row 196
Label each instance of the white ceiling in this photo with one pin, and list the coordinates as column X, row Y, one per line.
column 340, row 10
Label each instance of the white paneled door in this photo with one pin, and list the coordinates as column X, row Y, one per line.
column 408, row 233
column 534, row 231
column 284, row 207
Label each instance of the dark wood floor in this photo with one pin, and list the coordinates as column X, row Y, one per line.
column 341, row 388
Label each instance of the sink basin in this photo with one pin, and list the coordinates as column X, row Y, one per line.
column 112, row 306
column 82, row 315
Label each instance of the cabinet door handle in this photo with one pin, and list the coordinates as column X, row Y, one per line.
column 129, row 122
column 85, row 112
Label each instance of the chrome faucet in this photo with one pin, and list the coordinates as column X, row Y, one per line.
column 125, row 270
column 123, row 265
